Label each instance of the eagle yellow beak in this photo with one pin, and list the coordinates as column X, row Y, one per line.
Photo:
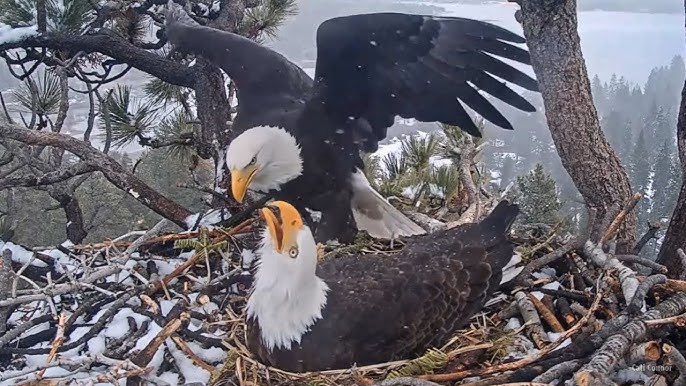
column 240, row 180
column 284, row 223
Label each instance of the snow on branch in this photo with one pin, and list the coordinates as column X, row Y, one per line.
column 10, row 34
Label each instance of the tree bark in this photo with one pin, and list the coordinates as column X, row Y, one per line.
column 550, row 28
column 213, row 109
column 76, row 231
column 113, row 171
column 675, row 237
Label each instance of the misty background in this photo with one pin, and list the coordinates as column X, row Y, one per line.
column 634, row 55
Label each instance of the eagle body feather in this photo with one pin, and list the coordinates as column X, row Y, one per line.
column 384, row 308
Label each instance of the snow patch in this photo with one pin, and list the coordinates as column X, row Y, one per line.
column 247, row 258
column 513, row 324
column 20, row 254
column 554, row 336
column 11, row 35
column 191, row 372
column 209, row 219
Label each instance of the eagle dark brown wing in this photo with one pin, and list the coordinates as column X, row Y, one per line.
column 372, row 67
column 383, row 308
column 265, row 79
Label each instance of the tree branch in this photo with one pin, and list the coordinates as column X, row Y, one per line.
column 550, row 28
column 113, row 171
column 48, row 178
column 675, row 237
column 110, row 44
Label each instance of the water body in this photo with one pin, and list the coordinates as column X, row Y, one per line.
column 626, row 43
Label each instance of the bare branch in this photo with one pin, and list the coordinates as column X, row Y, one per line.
column 48, row 178
column 4, row 109
column 91, row 114
column 642, row 261
column 113, row 171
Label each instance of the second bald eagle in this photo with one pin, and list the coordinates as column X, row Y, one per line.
column 301, row 139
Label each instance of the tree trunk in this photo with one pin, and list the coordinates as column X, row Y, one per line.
column 550, row 28
column 675, row 237
column 213, row 110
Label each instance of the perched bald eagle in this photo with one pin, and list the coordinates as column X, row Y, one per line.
column 301, row 139
column 308, row 316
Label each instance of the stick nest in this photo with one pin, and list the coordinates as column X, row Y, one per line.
column 168, row 309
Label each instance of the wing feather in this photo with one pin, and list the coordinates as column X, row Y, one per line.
column 264, row 78
column 373, row 67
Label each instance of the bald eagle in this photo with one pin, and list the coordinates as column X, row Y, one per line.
column 301, row 139
column 308, row 316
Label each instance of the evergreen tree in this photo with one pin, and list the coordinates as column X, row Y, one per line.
column 639, row 167
column 626, row 143
column 599, row 92
column 666, row 182
column 613, row 125
column 657, row 125
column 537, row 197
column 639, row 173
column 507, row 173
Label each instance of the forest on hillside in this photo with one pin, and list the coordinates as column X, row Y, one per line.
column 639, row 122
column 653, row 6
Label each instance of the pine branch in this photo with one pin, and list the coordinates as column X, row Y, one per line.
column 108, row 43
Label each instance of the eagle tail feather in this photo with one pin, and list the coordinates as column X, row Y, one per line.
column 374, row 214
column 501, row 218
column 500, row 250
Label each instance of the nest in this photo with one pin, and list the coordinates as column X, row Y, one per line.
column 169, row 310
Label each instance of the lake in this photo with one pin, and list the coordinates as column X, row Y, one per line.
column 625, row 43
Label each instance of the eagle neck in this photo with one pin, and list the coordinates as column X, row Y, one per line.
column 285, row 302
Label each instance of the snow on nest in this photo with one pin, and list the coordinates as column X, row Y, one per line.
column 395, row 147
column 10, row 35
column 116, row 325
column 209, row 219
column 511, row 270
column 412, row 190
column 21, row 254
column 395, row 144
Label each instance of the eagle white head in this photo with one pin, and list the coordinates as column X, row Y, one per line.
column 287, row 297
column 261, row 159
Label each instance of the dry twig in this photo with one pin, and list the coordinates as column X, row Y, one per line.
column 603, row 361
column 546, row 314
column 614, row 226
column 523, row 362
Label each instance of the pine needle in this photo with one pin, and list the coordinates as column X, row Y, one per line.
column 426, row 364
